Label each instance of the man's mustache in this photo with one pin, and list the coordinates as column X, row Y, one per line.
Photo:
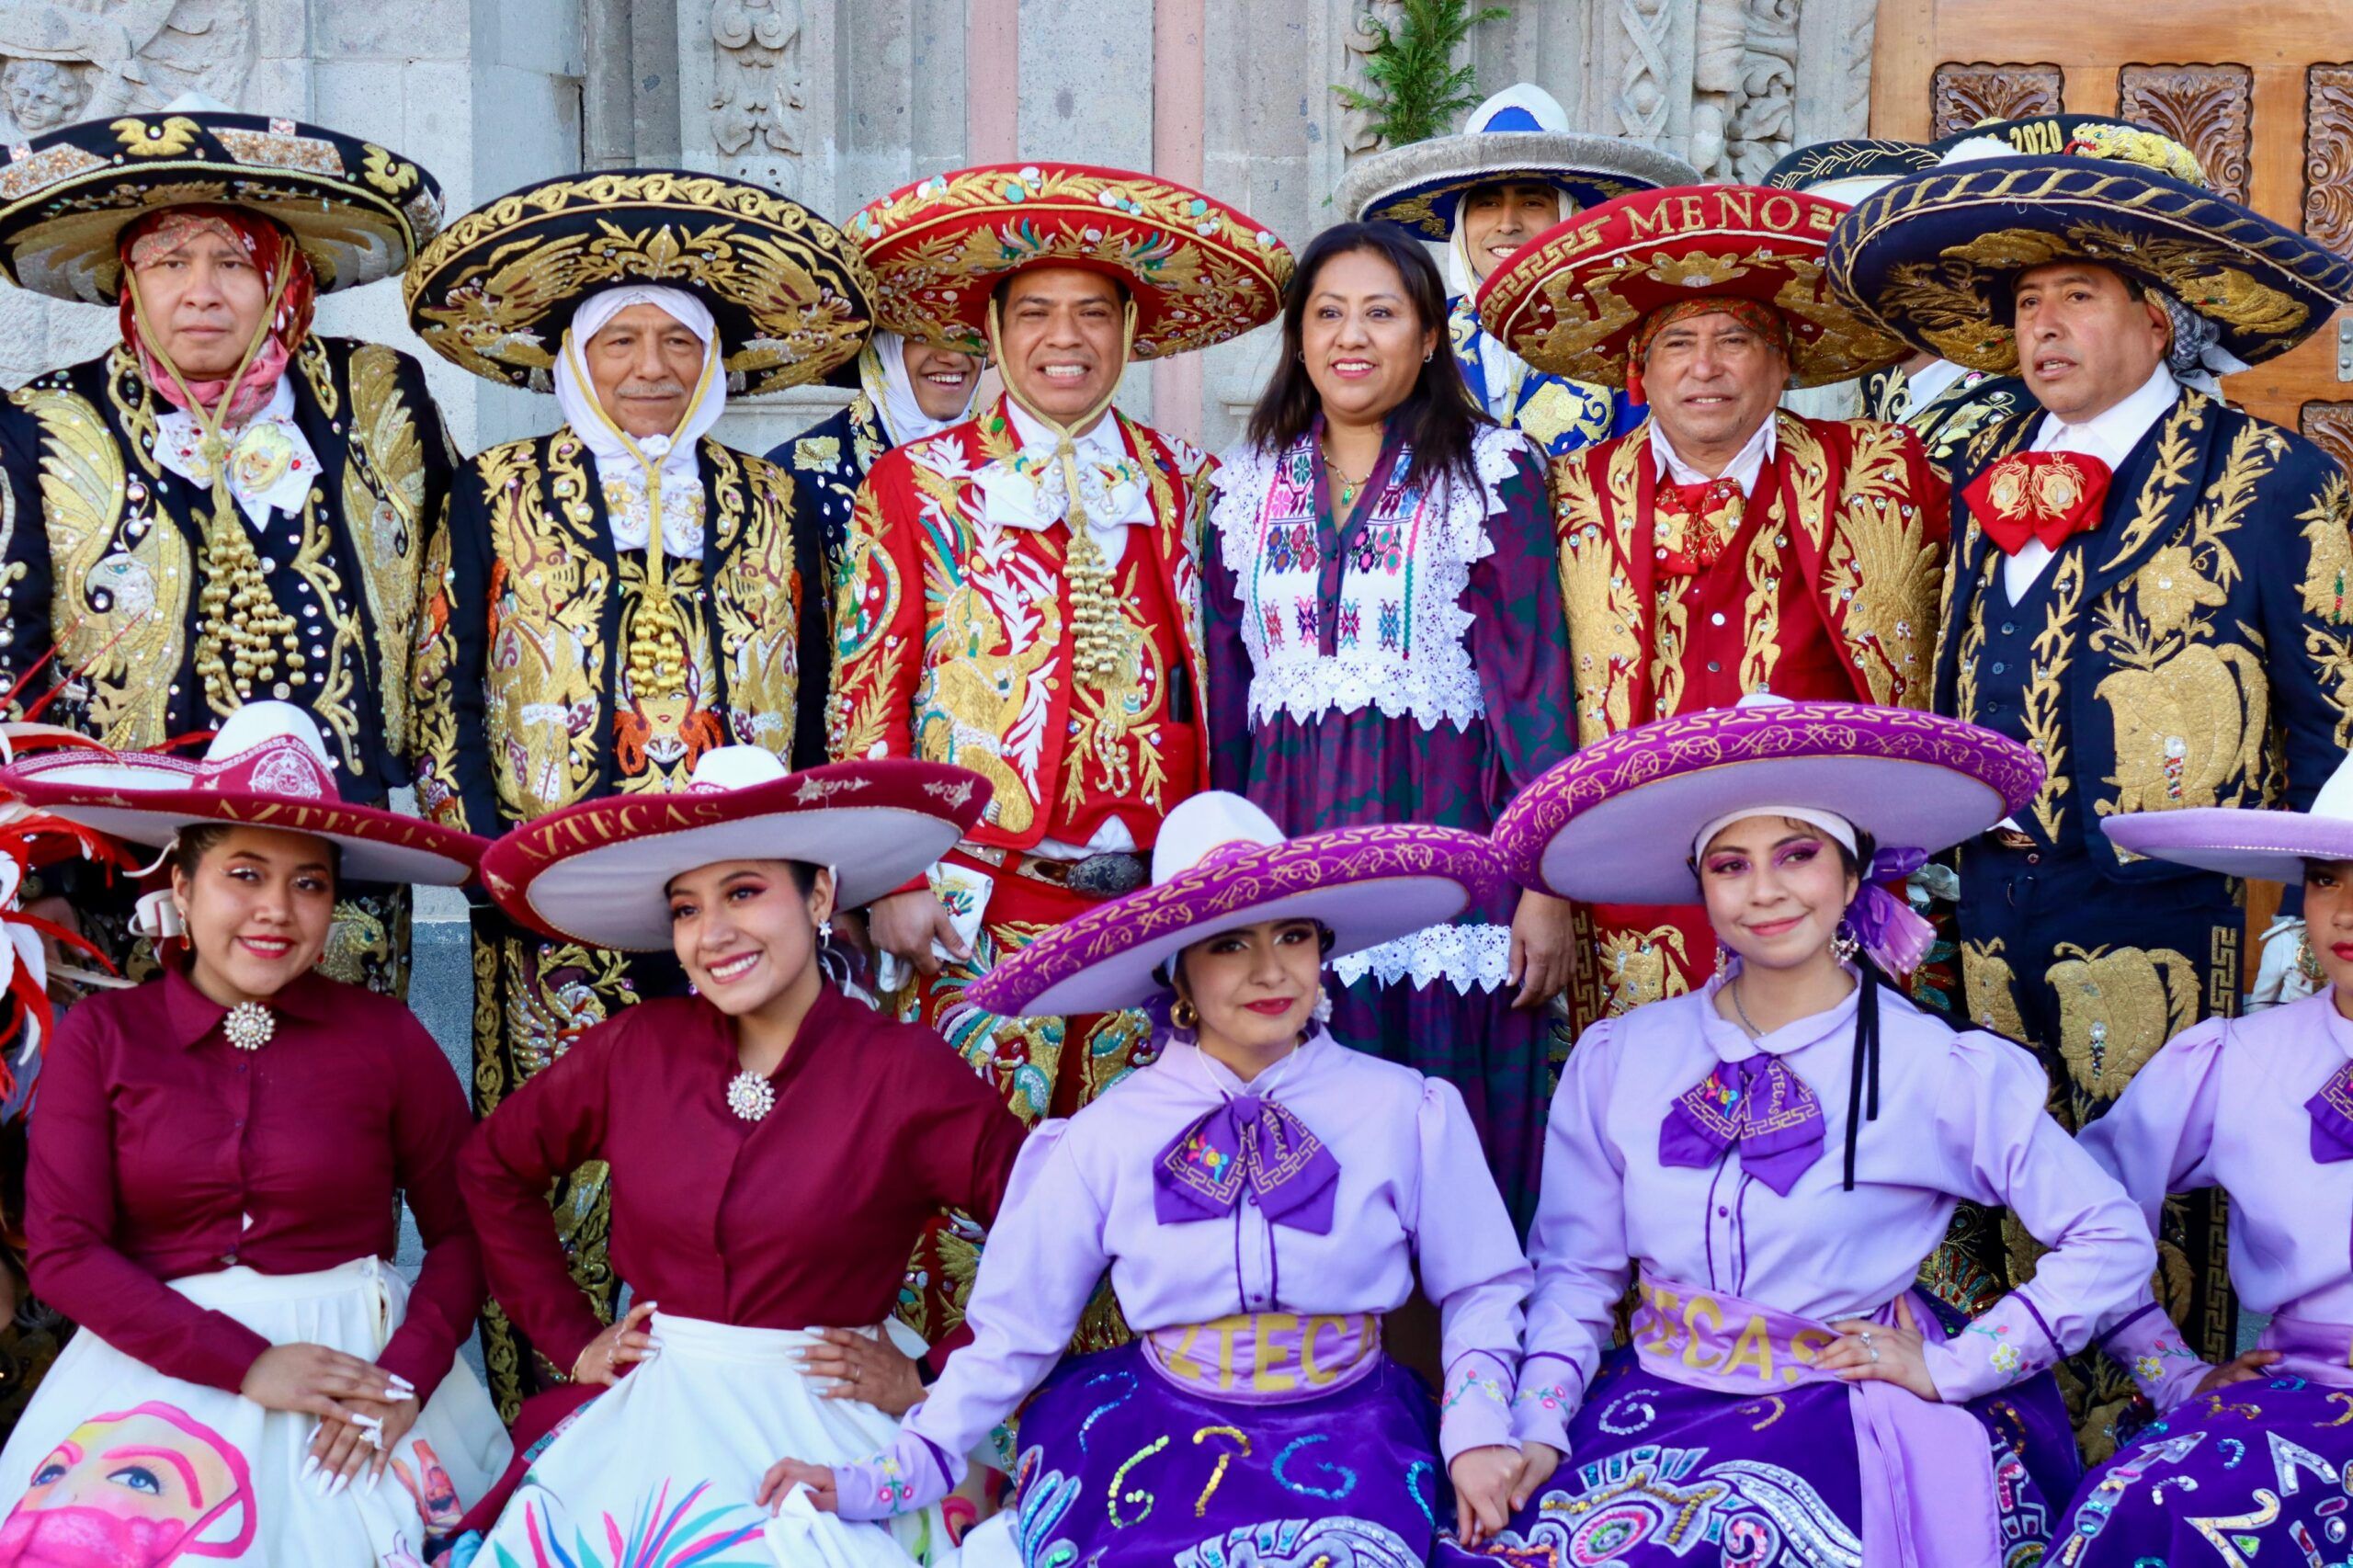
column 667, row 387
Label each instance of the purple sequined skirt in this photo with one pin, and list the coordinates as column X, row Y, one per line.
column 1119, row 1464
column 2254, row 1473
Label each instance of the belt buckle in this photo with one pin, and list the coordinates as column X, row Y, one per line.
column 1107, row 876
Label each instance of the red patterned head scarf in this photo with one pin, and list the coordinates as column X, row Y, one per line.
column 272, row 252
column 1755, row 314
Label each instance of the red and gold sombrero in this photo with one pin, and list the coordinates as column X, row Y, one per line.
column 1574, row 300
column 1199, row 270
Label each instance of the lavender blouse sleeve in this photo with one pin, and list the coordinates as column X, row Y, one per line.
column 2000, row 1146
column 1471, row 1268
column 2158, row 1139
column 1045, row 1255
column 1578, row 1245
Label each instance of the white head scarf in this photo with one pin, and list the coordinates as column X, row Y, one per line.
column 616, row 465
column 883, row 372
column 1501, row 370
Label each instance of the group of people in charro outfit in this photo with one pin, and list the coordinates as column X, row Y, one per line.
column 1015, row 963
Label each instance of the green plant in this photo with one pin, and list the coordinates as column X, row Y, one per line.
column 1417, row 88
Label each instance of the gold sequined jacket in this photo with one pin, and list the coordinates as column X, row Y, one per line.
column 102, row 552
column 528, row 696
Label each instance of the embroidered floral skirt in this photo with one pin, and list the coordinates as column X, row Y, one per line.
column 115, row 1463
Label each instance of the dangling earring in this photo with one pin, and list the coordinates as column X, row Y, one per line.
column 1185, row 1015
column 2307, row 964
column 824, row 932
column 1428, row 355
column 1322, row 1011
column 1843, row 945
column 1723, row 959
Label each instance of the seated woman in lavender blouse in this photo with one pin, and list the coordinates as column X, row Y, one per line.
column 1261, row 1195
column 1769, row 1160
column 2252, row 1452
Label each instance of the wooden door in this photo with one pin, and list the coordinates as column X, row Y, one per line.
column 2263, row 94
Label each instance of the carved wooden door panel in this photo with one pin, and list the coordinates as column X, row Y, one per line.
column 2263, row 94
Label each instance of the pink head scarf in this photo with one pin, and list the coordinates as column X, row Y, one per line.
column 162, row 232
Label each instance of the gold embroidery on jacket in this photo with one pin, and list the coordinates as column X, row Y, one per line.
column 1115, row 735
column 545, row 646
column 1886, row 567
column 2328, row 581
column 1990, row 988
column 1603, row 620
column 1642, row 966
column 2189, row 716
column 121, row 583
column 387, row 524
column 867, row 657
column 330, row 677
column 2117, row 1007
column 756, row 599
column 658, row 736
column 1760, row 613
column 2043, row 709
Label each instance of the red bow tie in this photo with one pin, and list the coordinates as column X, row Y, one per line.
column 2044, row 495
column 1696, row 522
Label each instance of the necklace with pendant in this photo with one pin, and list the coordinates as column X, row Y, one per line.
column 750, row 1096
column 249, row 1026
column 1349, row 487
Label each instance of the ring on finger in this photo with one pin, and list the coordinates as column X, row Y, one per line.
column 1874, row 1350
column 1865, row 1336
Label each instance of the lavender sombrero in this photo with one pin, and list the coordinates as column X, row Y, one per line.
column 1615, row 821
column 599, row 871
column 1220, row 864
column 2241, row 841
column 267, row 767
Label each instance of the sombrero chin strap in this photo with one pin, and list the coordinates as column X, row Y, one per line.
column 1095, row 617
column 240, row 616
column 657, row 644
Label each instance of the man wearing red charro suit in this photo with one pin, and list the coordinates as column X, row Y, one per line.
column 1019, row 592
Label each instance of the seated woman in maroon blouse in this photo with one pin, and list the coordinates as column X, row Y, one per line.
column 775, row 1149
column 218, row 1157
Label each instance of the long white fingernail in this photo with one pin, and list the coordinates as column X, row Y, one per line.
column 373, row 1476
column 310, row 1468
column 361, row 1418
column 342, row 1479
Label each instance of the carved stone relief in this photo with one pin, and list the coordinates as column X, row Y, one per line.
column 1744, row 80
column 1361, row 38
column 1645, row 90
column 1967, row 95
column 2208, row 108
column 2331, row 426
column 757, row 103
column 2328, row 156
column 66, row 59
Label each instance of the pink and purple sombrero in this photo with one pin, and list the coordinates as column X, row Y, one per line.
column 2242, row 841
column 598, row 873
column 267, row 767
column 1615, row 822
column 1222, row 864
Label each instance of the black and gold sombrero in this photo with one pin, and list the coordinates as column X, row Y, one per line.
column 1933, row 255
column 493, row 293
column 358, row 210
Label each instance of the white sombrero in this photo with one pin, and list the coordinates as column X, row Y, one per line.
column 598, row 872
column 2241, row 841
column 1222, row 864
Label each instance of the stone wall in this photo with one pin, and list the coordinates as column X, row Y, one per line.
column 837, row 101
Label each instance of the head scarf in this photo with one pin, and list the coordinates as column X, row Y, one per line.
column 576, row 394
column 2195, row 353
column 883, row 372
column 273, row 253
column 1755, row 314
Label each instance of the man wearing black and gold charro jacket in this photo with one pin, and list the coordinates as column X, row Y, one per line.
column 223, row 505
column 2148, row 587
column 612, row 600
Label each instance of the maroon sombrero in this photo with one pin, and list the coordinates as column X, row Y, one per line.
column 2243, row 841
column 1200, row 271
column 1574, row 300
column 1221, row 863
column 1616, row 821
column 267, row 767
column 598, row 872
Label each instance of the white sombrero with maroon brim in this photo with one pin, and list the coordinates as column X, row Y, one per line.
column 599, row 872
column 1615, row 823
column 267, row 767
column 2244, row 841
column 1220, row 864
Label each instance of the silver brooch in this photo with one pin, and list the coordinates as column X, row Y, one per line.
column 249, row 1026
column 750, row 1096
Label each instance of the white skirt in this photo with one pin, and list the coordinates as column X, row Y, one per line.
column 219, row 1479
column 670, row 1458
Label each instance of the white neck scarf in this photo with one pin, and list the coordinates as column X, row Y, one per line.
column 883, row 372
column 619, row 471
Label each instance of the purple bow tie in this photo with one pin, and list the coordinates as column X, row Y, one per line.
column 1758, row 1103
column 2332, row 1112
column 1247, row 1142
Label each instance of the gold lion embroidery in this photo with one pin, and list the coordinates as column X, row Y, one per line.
column 1643, row 966
column 2190, row 721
